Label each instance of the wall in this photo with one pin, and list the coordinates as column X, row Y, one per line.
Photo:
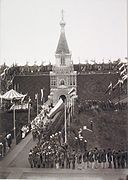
column 93, row 86
column 31, row 85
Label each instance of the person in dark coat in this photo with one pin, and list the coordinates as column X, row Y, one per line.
column 30, row 159
column 88, row 159
column 85, row 159
column 99, row 158
column 114, row 155
column 126, row 158
column 73, row 159
column 38, row 160
column 109, row 157
column 122, row 159
column 68, row 159
column 96, row 154
column 119, row 159
column 9, row 139
column 91, row 158
column 103, row 158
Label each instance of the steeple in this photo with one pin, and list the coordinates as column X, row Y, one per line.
column 62, row 47
column 62, row 23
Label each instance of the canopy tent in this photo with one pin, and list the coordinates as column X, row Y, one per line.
column 12, row 94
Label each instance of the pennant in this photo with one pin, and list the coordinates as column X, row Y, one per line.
column 36, row 96
column 122, row 72
column 71, row 91
column 109, row 89
column 119, row 82
column 125, row 77
column 121, row 67
column 29, row 99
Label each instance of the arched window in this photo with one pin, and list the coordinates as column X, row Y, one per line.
column 62, row 82
column 62, row 60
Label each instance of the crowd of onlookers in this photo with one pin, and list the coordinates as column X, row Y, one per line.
column 53, row 153
column 5, row 144
column 41, row 124
column 90, row 105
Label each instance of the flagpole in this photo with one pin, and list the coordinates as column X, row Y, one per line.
column 29, row 106
column 119, row 90
column 69, row 114
column 14, row 123
column 37, row 104
column 65, row 125
column 73, row 106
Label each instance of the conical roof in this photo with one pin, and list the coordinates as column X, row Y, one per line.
column 62, row 44
column 12, row 94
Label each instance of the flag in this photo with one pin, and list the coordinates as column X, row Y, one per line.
column 122, row 72
column 119, row 82
column 109, row 89
column 29, row 99
column 121, row 67
column 125, row 77
column 42, row 94
column 93, row 61
column 71, row 91
column 119, row 62
column 36, row 96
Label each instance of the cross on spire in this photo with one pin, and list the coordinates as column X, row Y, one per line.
column 62, row 14
column 62, row 23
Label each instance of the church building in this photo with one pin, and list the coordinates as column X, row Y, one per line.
column 62, row 77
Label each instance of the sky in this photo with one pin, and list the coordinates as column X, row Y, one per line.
column 30, row 30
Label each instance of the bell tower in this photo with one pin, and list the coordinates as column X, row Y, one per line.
column 62, row 76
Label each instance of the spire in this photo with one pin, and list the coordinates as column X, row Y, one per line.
column 62, row 23
column 62, row 44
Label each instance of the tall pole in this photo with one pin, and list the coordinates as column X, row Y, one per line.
column 65, row 120
column 29, row 109
column 14, row 123
column 119, row 90
column 72, row 106
column 69, row 115
column 37, row 103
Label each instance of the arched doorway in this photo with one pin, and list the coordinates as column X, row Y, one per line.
column 63, row 97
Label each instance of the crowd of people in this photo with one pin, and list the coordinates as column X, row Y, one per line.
column 5, row 144
column 53, row 153
column 41, row 124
